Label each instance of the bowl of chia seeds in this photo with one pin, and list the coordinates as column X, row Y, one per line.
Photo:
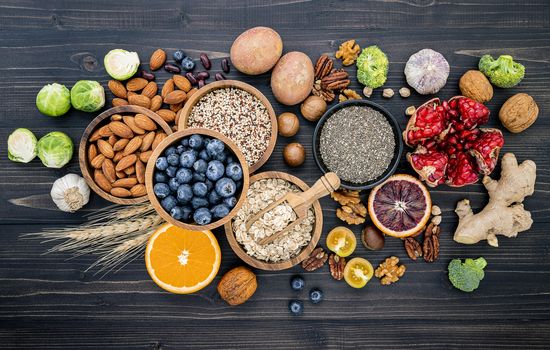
column 360, row 141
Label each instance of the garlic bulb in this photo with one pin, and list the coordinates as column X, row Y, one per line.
column 70, row 193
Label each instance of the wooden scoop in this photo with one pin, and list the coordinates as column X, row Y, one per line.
column 299, row 202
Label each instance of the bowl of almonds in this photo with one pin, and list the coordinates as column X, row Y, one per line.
column 114, row 151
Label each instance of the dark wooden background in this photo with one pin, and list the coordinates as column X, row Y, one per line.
column 49, row 301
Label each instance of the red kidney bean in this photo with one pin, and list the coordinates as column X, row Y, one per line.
column 172, row 68
column 147, row 75
column 205, row 61
column 219, row 76
column 225, row 65
column 203, row 75
column 191, row 77
column 201, row 83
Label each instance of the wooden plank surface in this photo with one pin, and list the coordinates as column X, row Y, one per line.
column 50, row 301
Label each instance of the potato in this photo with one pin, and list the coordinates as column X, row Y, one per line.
column 256, row 50
column 292, row 78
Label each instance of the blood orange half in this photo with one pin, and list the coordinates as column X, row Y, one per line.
column 400, row 207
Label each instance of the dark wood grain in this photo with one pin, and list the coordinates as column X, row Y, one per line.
column 53, row 302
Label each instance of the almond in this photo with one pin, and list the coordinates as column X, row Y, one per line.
column 95, row 136
column 139, row 100
column 132, row 93
column 157, row 59
column 116, row 118
column 108, row 169
column 105, row 131
column 144, row 156
column 117, row 88
column 105, row 148
column 147, row 141
column 176, row 96
column 126, row 162
column 92, row 151
column 158, row 139
column 97, row 161
column 117, row 102
column 130, row 170
column 102, row 181
column 140, row 171
column 128, row 182
column 181, row 82
column 121, row 174
column 167, row 115
column 136, row 84
column 191, row 92
column 138, row 190
column 176, row 107
column 150, row 90
column 132, row 146
column 118, row 156
column 112, row 140
column 144, row 122
column 120, row 192
column 167, row 88
column 120, row 144
column 130, row 121
column 121, row 130
column 156, row 103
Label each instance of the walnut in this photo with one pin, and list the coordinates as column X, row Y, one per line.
column 348, row 94
column 348, row 52
column 413, row 248
column 518, row 112
column 317, row 259
column 337, row 265
column 475, row 85
column 352, row 213
column 344, row 197
column 237, row 285
column 389, row 272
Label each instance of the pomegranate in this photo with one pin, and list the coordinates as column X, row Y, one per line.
column 450, row 148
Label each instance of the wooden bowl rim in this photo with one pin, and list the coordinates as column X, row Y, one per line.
column 190, row 103
column 82, row 154
column 315, row 236
column 174, row 137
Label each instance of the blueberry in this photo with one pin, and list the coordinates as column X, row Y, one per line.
column 187, row 64
column 161, row 163
column 222, row 157
column 204, row 155
column 199, row 177
column 161, row 190
column 170, row 150
column 226, row 187
column 209, row 185
column 186, row 213
column 297, row 283
column 168, row 203
column 176, row 213
column 174, row 183
column 229, row 202
column 202, row 216
column 200, row 166
column 296, row 307
column 215, row 147
column 200, row 189
column 220, row 211
column 198, row 202
column 214, row 198
column 180, row 149
column 173, row 159
column 196, row 141
column 160, row 177
column 171, row 171
column 234, row 171
column 185, row 142
column 187, row 159
column 184, row 193
column 179, row 56
column 215, row 170
column 184, row 175
column 315, row 296
column 230, row 160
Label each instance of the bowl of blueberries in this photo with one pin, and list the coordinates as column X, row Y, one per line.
column 197, row 179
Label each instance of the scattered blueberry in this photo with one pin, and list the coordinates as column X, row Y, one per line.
column 229, row 202
column 171, row 171
column 161, row 163
column 315, row 296
column 187, row 159
column 176, row 213
column 173, row 159
column 226, row 187
column 215, row 170
column 234, row 171
column 161, row 190
column 184, row 175
column 168, row 203
column 160, row 177
column 198, row 202
column 204, row 155
column 200, row 189
column 196, row 141
column 214, row 198
column 220, row 211
column 199, row 177
column 170, row 150
column 173, row 183
column 296, row 307
column 200, row 166
column 187, row 64
column 297, row 283
column 184, row 193
column 179, row 56
column 202, row 216
column 215, row 147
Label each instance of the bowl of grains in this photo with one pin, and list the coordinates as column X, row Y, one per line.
column 360, row 141
column 286, row 251
column 240, row 112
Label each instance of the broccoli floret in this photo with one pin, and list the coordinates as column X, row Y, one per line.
column 503, row 72
column 372, row 67
column 466, row 276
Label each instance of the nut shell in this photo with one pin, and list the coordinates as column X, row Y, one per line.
column 475, row 85
column 372, row 238
column 313, row 108
column 518, row 112
column 294, row 154
column 237, row 285
column 288, row 124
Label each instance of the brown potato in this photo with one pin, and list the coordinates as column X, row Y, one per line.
column 292, row 78
column 256, row 50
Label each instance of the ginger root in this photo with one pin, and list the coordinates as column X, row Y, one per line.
column 504, row 214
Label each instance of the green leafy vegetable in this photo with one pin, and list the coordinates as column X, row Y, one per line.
column 503, row 72
column 87, row 96
column 121, row 64
column 466, row 275
column 21, row 146
column 372, row 67
column 55, row 149
column 53, row 100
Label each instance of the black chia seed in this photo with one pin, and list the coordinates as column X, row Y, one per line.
column 357, row 143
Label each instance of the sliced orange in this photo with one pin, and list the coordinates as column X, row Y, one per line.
column 182, row 261
column 358, row 272
column 342, row 241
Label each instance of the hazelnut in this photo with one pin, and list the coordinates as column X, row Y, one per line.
column 294, row 154
column 410, row 110
column 313, row 108
column 288, row 124
column 372, row 238
column 518, row 112
column 475, row 85
column 367, row 91
column 387, row 93
column 405, row 92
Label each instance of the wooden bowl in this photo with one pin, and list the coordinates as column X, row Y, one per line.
column 306, row 251
column 85, row 167
column 189, row 104
column 176, row 137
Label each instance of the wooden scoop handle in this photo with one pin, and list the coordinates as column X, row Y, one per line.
column 327, row 184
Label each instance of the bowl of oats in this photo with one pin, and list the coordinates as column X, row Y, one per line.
column 286, row 251
column 240, row 112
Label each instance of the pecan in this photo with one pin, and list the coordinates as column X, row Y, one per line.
column 345, row 197
column 317, row 259
column 326, row 95
column 430, row 247
column 413, row 248
column 338, row 79
column 352, row 214
column 323, row 67
column 337, row 265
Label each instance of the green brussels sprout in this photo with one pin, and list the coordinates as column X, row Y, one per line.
column 53, row 100
column 87, row 96
column 21, row 146
column 121, row 64
column 55, row 149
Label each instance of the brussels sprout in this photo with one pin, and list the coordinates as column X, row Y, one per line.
column 87, row 96
column 121, row 64
column 21, row 146
column 55, row 149
column 53, row 100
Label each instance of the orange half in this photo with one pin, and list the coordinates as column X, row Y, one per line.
column 182, row 261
